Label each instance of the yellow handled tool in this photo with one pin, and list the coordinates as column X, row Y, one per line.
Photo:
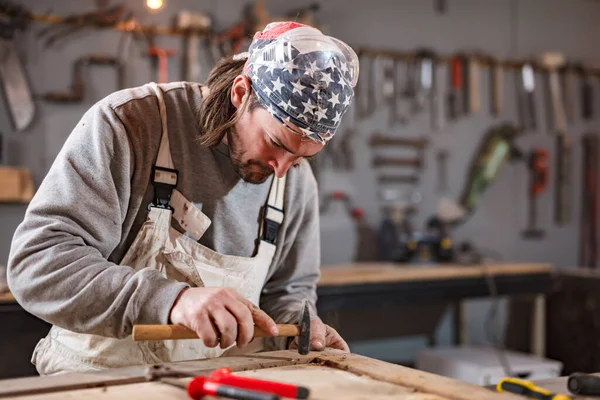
column 528, row 389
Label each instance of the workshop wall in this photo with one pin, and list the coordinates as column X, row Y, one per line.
column 506, row 29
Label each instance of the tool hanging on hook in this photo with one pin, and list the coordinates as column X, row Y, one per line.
column 77, row 92
column 538, row 166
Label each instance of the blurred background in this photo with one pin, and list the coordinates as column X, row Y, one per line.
column 458, row 199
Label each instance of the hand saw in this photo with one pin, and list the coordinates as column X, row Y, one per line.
column 15, row 85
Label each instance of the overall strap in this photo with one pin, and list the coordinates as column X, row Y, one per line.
column 273, row 212
column 164, row 175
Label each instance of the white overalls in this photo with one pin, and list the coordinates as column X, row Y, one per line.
column 179, row 257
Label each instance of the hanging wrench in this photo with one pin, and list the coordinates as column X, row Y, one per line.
column 562, row 212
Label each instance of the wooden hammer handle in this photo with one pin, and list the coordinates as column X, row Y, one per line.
column 171, row 332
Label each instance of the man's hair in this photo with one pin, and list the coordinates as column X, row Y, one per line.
column 217, row 113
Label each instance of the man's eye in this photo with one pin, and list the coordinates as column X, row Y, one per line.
column 273, row 143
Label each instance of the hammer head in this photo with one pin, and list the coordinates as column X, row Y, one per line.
column 304, row 337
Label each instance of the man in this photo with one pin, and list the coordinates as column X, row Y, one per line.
column 178, row 204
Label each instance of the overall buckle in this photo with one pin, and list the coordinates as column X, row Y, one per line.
column 164, row 181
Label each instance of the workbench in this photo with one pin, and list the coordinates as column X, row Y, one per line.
column 376, row 289
column 331, row 374
column 371, row 288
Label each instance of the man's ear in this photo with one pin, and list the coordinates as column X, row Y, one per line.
column 239, row 90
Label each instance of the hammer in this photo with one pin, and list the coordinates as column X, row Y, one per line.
column 174, row 332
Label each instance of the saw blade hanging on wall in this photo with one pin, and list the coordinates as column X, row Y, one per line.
column 15, row 85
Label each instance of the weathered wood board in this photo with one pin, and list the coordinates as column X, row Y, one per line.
column 329, row 375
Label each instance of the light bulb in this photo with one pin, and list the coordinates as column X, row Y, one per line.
column 154, row 4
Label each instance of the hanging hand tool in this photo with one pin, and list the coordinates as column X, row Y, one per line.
column 365, row 92
column 425, row 69
column 345, row 156
column 584, row 384
column 388, row 161
column 355, row 212
column 528, row 389
column 77, row 85
column 472, row 99
column 396, row 113
column 587, row 93
column 225, row 377
column 588, row 242
column 390, row 90
column 174, row 332
column 456, row 91
column 442, row 163
column 567, row 79
column 379, row 139
column 196, row 25
column 161, row 60
column 496, row 86
column 434, row 98
column 407, row 179
column 562, row 212
column 73, row 23
column 15, row 85
column 419, row 144
column 538, row 166
column 527, row 98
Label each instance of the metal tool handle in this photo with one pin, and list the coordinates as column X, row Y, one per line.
column 564, row 170
column 173, row 332
column 497, row 89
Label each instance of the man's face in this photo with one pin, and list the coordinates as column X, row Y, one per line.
column 259, row 146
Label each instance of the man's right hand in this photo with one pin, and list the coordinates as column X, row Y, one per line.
column 220, row 315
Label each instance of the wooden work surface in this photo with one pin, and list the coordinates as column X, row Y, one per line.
column 360, row 273
column 329, row 375
column 7, row 297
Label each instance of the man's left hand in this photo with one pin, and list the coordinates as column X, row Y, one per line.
column 322, row 336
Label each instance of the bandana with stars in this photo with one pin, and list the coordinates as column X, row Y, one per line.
column 312, row 91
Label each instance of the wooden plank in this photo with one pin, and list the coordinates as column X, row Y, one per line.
column 366, row 377
column 420, row 381
column 359, row 273
column 325, row 383
column 129, row 375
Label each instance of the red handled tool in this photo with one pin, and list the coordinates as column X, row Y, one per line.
column 454, row 99
column 200, row 386
column 538, row 172
column 224, row 376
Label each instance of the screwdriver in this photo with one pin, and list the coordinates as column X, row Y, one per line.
column 528, row 389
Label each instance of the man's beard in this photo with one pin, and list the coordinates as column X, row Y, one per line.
column 251, row 171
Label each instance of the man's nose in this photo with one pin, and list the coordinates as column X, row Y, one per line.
column 281, row 165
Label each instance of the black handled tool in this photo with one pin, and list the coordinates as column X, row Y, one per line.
column 584, row 384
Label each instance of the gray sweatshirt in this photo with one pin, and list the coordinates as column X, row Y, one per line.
column 64, row 260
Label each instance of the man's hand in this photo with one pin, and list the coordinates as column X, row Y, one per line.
column 220, row 315
column 322, row 336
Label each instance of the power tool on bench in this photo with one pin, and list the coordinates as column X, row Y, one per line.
column 401, row 243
